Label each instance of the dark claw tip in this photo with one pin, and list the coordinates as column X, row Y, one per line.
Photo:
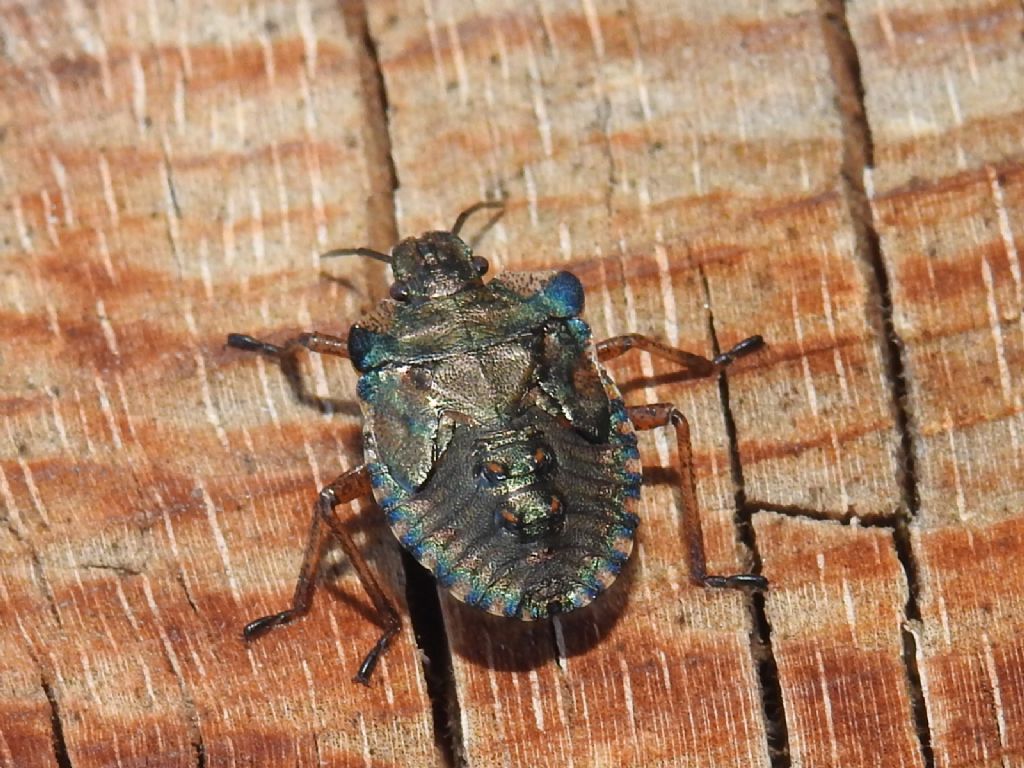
column 750, row 581
column 745, row 347
column 738, row 581
column 361, row 679
column 740, row 349
column 754, row 342
column 241, row 341
column 260, row 626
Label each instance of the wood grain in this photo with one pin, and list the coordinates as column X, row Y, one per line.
column 670, row 195
column 972, row 663
column 170, row 174
column 947, row 125
column 940, row 83
column 957, row 290
column 843, row 583
column 825, row 173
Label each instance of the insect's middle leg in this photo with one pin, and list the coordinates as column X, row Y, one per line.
column 663, row 415
column 320, row 343
column 326, row 520
column 694, row 366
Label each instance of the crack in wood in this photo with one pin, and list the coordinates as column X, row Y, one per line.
column 858, row 160
column 912, row 611
column 120, row 570
column 183, row 583
column 60, row 747
column 424, row 605
column 192, row 712
column 172, row 192
column 380, row 205
column 604, row 118
column 772, row 705
column 174, row 666
column 11, row 519
column 39, row 574
column 172, row 212
column 889, row 521
column 188, row 700
column 431, row 638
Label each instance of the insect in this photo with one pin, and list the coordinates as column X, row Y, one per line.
column 496, row 443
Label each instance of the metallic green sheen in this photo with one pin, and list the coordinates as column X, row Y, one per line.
column 463, row 375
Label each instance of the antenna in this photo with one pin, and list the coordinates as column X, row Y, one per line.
column 473, row 209
column 357, row 252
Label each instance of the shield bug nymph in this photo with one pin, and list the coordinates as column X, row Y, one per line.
column 495, row 442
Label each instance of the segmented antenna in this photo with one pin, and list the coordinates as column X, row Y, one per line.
column 357, row 252
column 473, row 209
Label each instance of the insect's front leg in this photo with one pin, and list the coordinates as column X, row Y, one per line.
column 663, row 415
column 694, row 366
column 326, row 520
column 320, row 343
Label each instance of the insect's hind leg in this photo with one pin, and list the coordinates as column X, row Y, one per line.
column 663, row 415
column 694, row 366
column 320, row 343
column 326, row 520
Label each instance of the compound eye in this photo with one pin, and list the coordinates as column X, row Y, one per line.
column 494, row 471
column 399, row 291
column 542, row 458
column 481, row 265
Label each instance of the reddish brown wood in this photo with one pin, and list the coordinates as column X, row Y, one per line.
column 836, row 608
column 945, row 109
column 972, row 657
column 954, row 253
column 814, row 419
column 653, row 148
column 169, row 174
column 940, row 85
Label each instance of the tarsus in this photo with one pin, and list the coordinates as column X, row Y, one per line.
column 772, row 704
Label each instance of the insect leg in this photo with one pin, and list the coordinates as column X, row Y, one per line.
column 326, row 520
column 663, row 415
column 320, row 343
column 694, row 366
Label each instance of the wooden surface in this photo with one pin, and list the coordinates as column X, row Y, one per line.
column 847, row 179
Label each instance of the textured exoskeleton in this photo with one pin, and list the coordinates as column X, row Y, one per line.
column 497, row 445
